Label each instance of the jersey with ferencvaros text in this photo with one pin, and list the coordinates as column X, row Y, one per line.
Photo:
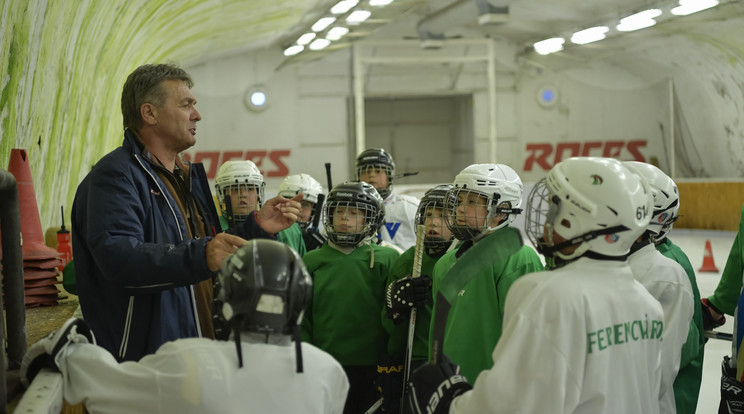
column 581, row 339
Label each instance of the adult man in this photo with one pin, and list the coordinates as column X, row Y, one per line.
column 584, row 337
column 145, row 229
column 375, row 166
column 263, row 289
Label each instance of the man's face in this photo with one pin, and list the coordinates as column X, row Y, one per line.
column 177, row 118
column 435, row 225
column 244, row 199
column 307, row 210
column 374, row 176
column 471, row 210
column 348, row 220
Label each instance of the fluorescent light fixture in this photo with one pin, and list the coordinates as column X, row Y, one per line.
column 692, row 6
column 343, row 6
column 589, row 35
column 305, row 39
column 548, row 46
column 379, row 2
column 639, row 20
column 293, row 50
column 322, row 23
column 336, row 32
column 318, row 44
column 358, row 16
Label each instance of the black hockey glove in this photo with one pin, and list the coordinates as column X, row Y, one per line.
column 43, row 354
column 390, row 381
column 732, row 391
column 431, row 388
column 710, row 323
column 402, row 295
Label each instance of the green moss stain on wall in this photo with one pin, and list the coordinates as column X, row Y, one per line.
column 63, row 63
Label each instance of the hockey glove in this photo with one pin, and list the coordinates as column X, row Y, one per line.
column 709, row 322
column 432, row 388
column 313, row 239
column 732, row 391
column 44, row 353
column 406, row 293
column 390, row 381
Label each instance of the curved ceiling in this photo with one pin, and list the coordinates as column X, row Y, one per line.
column 63, row 62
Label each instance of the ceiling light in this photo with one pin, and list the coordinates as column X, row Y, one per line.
column 305, row 39
column 692, row 6
column 639, row 20
column 358, row 16
column 589, row 35
column 343, row 6
column 318, row 44
column 548, row 46
column 336, row 32
column 379, row 2
column 322, row 23
column 293, row 50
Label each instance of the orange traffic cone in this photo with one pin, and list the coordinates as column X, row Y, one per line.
column 708, row 264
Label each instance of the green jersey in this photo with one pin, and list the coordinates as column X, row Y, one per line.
column 403, row 266
column 687, row 383
column 292, row 237
column 343, row 315
column 475, row 319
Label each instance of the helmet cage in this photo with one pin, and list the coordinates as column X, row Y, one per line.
column 377, row 158
column 360, row 196
column 238, row 174
column 434, row 198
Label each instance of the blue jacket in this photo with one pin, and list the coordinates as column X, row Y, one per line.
column 134, row 259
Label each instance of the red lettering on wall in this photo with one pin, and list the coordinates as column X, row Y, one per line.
column 574, row 147
column 281, row 169
column 633, row 149
column 612, row 149
column 538, row 153
column 231, row 155
column 255, row 156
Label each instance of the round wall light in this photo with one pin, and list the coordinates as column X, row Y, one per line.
column 256, row 98
column 547, row 96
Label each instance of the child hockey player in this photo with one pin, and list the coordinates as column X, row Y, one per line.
column 349, row 275
column 376, row 167
column 484, row 199
column 312, row 202
column 584, row 337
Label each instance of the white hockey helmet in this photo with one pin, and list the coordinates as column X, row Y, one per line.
column 665, row 195
column 300, row 183
column 240, row 173
column 596, row 204
column 498, row 183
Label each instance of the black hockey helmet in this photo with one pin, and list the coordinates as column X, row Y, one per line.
column 359, row 195
column 263, row 288
column 377, row 158
column 434, row 198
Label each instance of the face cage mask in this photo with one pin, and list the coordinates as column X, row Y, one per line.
column 384, row 192
column 542, row 210
column 464, row 231
column 232, row 216
column 435, row 246
column 348, row 238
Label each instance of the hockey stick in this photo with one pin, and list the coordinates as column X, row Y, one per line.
column 328, row 176
column 418, row 257
column 724, row 336
column 497, row 246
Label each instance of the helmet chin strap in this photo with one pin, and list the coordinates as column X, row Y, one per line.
column 549, row 251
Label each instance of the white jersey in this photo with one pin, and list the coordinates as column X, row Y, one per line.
column 400, row 221
column 667, row 281
column 582, row 339
column 199, row 375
